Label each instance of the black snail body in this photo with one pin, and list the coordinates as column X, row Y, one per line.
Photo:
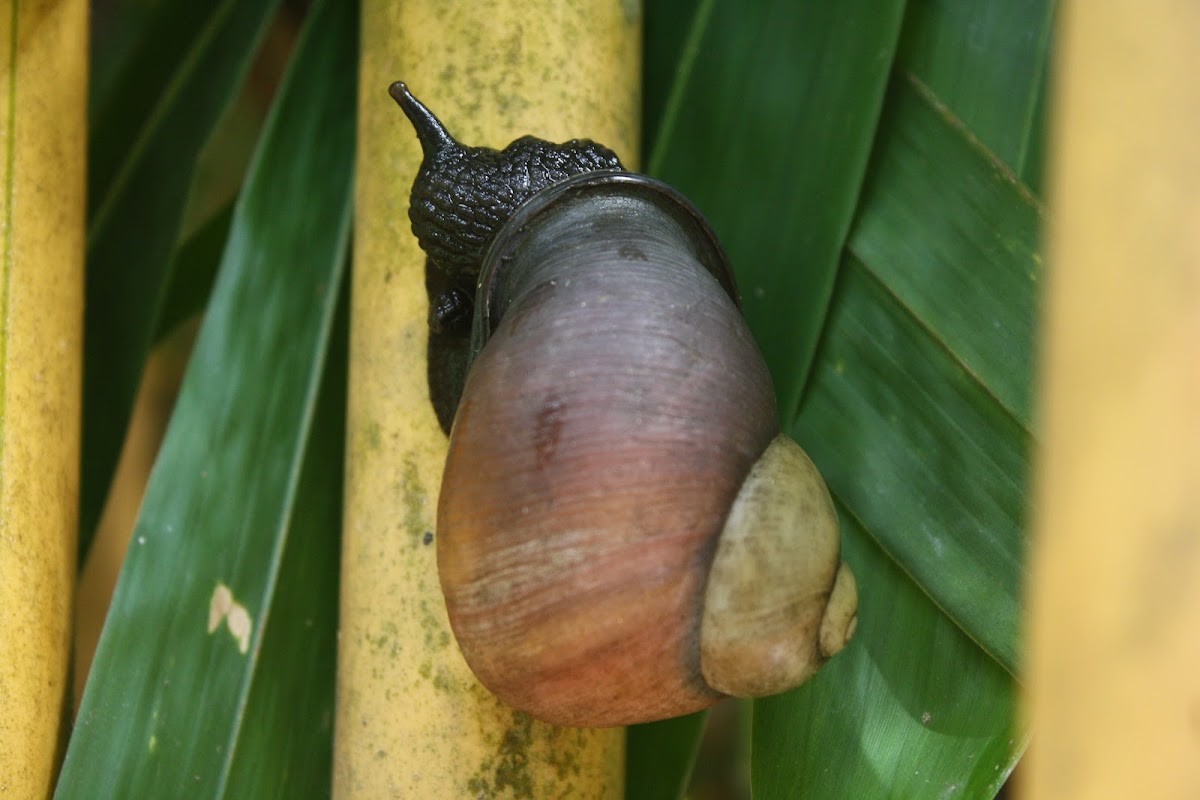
column 623, row 534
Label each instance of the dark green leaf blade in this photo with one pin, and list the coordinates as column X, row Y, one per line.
column 285, row 742
column 132, row 83
column 117, row 33
column 917, row 408
column 666, row 56
column 984, row 59
column 1033, row 165
column 192, row 272
column 770, row 137
column 923, row 457
column 660, row 756
column 912, row 708
column 135, row 222
column 917, row 413
column 166, row 698
column 954, row 236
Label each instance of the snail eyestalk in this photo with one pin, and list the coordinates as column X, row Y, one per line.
column 430, row 131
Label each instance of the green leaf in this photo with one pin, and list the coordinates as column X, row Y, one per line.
column 922, row 457
column 918, row 413
column 952, row 233
column 135, row 73
column 192, row 272
column 144, row 146
column 912, row 415
column 660, row 756
column 284, row 745
column 122, row 38
column 984, row 59
column 769, row 134
column 918, row 408
column 911, row 709
column 1034, row 163
column 172, row 709
column 671, row 30
column 743, row 95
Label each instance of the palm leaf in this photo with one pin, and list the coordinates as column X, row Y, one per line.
column 784, row 100
column 918, row 404
column 986, row 61
column 148, row 129
column 214, row 673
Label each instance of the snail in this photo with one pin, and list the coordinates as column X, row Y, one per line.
column 623, row 533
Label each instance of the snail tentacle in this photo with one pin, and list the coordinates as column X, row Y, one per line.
column 431, row 132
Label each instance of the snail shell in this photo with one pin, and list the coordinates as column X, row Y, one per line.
column 623, row 534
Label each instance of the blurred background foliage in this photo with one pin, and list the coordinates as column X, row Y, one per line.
column 874, row 170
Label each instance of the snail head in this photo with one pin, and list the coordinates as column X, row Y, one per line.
column 463, row 195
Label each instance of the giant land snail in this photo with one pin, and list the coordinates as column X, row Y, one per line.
column 623, row 534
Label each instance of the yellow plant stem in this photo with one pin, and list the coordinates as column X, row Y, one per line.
column 411, row 719
column 1115, row 650
column 43, row 93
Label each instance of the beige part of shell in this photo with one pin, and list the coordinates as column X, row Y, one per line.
column 779, row 601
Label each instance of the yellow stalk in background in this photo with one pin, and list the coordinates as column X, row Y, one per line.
column 411, row 719
column 43, row 93
column 1115, row 649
